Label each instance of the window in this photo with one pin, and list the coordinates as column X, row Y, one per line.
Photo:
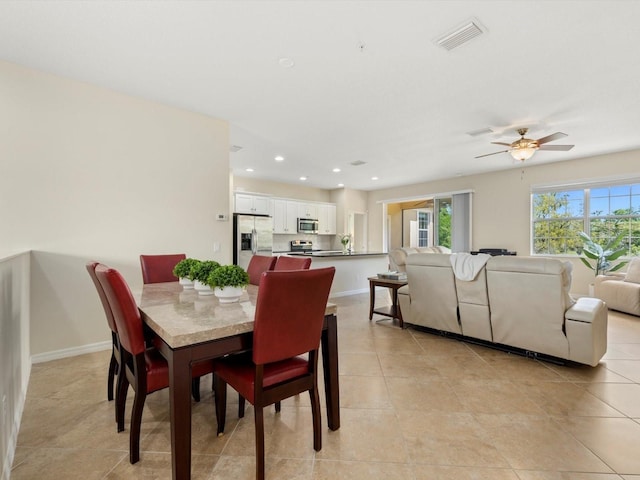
column 601, row 211
column 443, row 220
column 424, row 227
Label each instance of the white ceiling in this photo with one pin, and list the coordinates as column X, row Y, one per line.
column 369, row 83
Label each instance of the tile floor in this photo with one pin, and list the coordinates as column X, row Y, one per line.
column 414, row 407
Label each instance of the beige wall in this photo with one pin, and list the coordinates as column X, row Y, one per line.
column 394, row 213
column 338, row 197
column 87, row 173
column 501, row 200
column 298, row 192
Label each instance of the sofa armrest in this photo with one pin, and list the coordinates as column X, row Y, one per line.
column 586, row 330
column 585, row 310
column 612, row 277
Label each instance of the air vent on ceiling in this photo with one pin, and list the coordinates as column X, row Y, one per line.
column 235, row 148
column 471, row 29
column 482, row 131
column 357, row 163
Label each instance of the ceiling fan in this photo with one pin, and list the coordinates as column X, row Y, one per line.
column 524, row 148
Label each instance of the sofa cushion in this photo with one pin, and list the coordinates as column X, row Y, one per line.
column 430, row 259
column 527, row 303
column 633, row 271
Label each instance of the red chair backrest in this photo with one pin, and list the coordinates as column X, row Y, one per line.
column 159, row 268
column 124, row 308
column 91, row 268
column 292, row 263
column 257, row 265
column 289, row 313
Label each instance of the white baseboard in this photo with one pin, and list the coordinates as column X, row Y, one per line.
column 70, row 352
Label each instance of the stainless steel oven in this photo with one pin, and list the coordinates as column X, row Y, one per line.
column 307, row 225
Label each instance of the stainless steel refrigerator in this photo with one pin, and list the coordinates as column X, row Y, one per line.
column 252, row 235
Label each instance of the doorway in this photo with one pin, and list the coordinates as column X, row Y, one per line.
column 357, row 227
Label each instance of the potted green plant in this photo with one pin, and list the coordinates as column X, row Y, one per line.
column 228, row 282
column 603, row 256
column 200, row 273
column 599, row 258
column 345, row 239
column 183, row 270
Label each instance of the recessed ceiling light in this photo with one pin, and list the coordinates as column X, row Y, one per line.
column 374, row 178
column 249, row 169
column 341, row 184
column 286, row 62
column 303, row 178
column 278, row 158
column 336, row 170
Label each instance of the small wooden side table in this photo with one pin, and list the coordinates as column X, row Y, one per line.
column 392, row 310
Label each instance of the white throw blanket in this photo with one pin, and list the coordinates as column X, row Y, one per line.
column 466, row 266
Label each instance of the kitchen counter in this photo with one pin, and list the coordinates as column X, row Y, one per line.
column 352, row 269
column 335, row 254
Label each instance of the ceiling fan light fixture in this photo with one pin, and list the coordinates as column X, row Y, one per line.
column 523, row 154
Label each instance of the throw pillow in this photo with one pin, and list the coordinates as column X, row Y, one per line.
column 633, row 271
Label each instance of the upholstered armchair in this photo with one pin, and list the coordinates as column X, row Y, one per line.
column 621, row 291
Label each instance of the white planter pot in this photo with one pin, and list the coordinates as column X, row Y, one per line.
column 202, row 289
column 186, row 283
column 228, row 294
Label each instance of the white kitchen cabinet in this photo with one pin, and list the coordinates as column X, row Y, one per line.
column 285, row 216
column 326, row 219
column 308, row 210
column 252, row 204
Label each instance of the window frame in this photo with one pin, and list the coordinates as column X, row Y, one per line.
column 587, row 217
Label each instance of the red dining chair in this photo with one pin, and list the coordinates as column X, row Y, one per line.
column 292, row 263
column 257, row 265
column 159, row 268
column 114, row 363
column 143, row 368
column 282, row 263
column 288, row 323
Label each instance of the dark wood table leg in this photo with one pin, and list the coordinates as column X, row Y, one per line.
column 396, row 307
column 330, row 369
column 180, row 407
column 372, row 298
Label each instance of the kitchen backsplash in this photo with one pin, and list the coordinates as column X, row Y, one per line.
column 281, row 243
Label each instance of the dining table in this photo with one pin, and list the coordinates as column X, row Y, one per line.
column 193, row 327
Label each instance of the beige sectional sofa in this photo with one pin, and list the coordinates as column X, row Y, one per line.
column 520, row 302
column 398, row 256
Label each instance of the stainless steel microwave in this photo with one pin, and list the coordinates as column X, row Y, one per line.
column 307, row 225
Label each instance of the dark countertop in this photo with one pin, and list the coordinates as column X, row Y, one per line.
column 335, row 254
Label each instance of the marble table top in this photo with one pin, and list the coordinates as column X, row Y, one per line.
column 183, row 317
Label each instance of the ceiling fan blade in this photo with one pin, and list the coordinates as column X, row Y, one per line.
column 562, row 148
column 494, row 153
column 551, row 138
column 502, row 143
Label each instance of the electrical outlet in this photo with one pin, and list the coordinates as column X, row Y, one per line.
column 216, row 246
